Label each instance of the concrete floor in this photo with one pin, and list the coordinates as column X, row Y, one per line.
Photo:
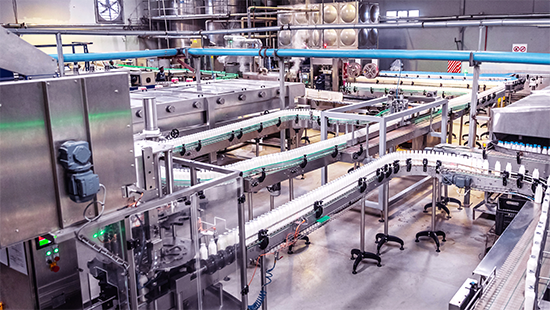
column 319, row 276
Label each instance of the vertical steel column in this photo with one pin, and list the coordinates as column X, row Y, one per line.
column 435, row 185
column 132, row 281
column 460, row 129
column 311, row 77
column 158, row 176
column 335, row 69
column 193, row 176
column 450, row 125
column 179, row 301
column 291, row 189
column 194, row 217
column 60, row 59
column 480, row 39
column 250, row 207
column 242, row 250
column 473, row 109
column 367, row 142
column 257, row 147
column 385, row 206
column 150, row 117
column 383, row 189
column 362, row 229
column 324, row 134
column 282, row 97
column 169, row 171
column 197, row 61
column 263, row 280
column 444, row 121
column 271, row 202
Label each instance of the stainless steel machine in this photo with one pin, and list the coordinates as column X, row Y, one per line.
column 116, row 213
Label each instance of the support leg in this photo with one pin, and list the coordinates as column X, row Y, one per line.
column 381, row 239
column 305, row 238
column 432, row 233
column 359, row 256
column 385, row 237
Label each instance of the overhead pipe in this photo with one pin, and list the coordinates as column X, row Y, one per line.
column 466, row 17
column 446, row 24
column 503, row 57
column 208, row 16
column 140, row 33
column 275, row 8
column 118, row 55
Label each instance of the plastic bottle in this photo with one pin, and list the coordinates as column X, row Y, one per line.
column 538, row 194
column 509, row 167
column 521, row 170
column 222, row 242
column 203, row 251
column 497, row 167
column 536, row 173
column 485, row 166
column 545, row 150
column 212, row 248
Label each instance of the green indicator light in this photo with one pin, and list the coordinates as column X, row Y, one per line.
column 95, row 236
column 48, row 253
column 55, row 250
column 101, row 233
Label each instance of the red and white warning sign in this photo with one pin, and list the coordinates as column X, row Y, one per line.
column 519, row 48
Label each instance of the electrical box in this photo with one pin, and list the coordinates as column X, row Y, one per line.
column 142, row 78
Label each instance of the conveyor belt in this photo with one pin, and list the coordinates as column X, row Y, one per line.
column 404, row 81
column 408, row 90
column 283, row 217
column 447, row 75
column 507, row 290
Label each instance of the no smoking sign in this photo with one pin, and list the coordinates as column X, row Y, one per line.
column 519, row 48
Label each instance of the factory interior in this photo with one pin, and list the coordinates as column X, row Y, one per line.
column 274, row 154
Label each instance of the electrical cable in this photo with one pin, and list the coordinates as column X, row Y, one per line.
column 94, row 246
column 263, row 293
column 101, row 203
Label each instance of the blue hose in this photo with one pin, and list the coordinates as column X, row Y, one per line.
column 263, row 293
column 259, row 301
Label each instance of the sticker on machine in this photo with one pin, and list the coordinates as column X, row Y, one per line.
column 519, row 48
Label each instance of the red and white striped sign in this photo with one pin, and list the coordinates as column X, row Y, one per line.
column 454, row 66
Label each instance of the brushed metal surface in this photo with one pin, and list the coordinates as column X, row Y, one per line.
column 27, row 193
column 507, row 241
column 187, row 109
column 50, row 285
column 110, row 129
column 19, row 56
column 66, row 119
column 526, row 117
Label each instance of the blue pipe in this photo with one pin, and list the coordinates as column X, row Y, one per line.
column 503, row 57
column 116, row 55
column 339, row 53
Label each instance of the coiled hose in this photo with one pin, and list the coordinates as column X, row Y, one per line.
column 263, row 293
